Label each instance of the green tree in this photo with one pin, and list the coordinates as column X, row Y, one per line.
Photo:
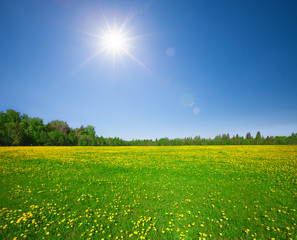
column 258, row 138
column 258, row 135
column 57, row 125
column 10, row 131
column 18, row 139
column 248, row 136
column 33, row 131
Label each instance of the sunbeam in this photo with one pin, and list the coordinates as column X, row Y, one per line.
column 117, row 41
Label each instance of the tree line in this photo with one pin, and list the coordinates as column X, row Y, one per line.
column 21, row 130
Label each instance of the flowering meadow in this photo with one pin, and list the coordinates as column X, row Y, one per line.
column 185, row 192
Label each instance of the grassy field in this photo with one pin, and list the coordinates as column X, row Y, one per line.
column 213, row 192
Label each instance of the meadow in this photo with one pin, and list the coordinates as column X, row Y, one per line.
column 185, row 192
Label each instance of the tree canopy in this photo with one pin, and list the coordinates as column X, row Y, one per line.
column 21, row 130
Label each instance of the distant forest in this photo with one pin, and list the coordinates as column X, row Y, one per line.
column 22, row 130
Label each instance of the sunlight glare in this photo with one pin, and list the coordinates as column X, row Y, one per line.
column 114, row 41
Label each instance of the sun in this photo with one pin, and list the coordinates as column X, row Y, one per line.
column 115, row 41
column 118, row 42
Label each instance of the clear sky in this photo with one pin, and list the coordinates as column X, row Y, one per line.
column 185, row 68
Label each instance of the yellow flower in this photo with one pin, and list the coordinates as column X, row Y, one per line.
column 20, row 219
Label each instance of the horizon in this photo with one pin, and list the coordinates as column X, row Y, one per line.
column 147, row 70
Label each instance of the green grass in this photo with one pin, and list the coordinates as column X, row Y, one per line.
column 213, row 192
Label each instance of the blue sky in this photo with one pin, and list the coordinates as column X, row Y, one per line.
column 203, row 67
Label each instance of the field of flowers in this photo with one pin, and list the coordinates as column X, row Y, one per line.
column 194, row 192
